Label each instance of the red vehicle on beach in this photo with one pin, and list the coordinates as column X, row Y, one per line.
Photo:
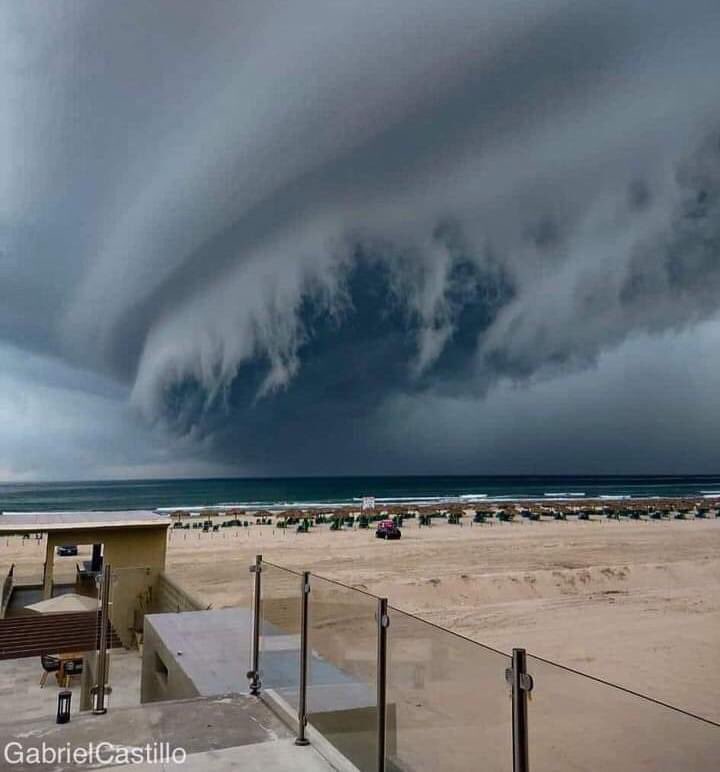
column 386, row 529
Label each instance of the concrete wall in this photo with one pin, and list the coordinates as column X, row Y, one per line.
column 124, row 548
column 140, row 546
column 145, row 590
column 132, row 595
column 162, row 677
column 170, row 596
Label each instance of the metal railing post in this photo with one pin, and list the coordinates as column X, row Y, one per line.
column 304, row 624
column 99, row 707
column 254, row 672
column 383, row 622
column 522, row 684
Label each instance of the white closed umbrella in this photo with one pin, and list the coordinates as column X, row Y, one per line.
column 69, row 602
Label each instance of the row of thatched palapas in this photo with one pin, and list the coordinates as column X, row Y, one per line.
column 634, row 509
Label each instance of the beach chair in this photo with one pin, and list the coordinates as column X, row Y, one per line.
column 49, row 664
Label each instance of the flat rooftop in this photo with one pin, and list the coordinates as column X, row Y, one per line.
column 46, row 522
column 212, row 647
column 219, row 735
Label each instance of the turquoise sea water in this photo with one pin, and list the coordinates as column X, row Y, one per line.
column 152, row 494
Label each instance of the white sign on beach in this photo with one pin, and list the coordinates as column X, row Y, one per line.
column 368, row 502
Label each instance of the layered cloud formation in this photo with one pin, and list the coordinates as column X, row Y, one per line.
column 367, row 236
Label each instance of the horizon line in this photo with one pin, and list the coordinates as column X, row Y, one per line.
column 247, row 478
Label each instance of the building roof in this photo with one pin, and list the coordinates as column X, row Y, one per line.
column 35, row 522
column 212, row 649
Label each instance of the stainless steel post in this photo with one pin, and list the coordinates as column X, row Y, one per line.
column 522, row 685
column 99, row 707
column 304, row 624
column 254, row 672
column 383, row 622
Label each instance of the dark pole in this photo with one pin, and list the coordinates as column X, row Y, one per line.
column 522, row 685
column 304, row 623
column 99, row 702
column 383, row 622
column 254, row 673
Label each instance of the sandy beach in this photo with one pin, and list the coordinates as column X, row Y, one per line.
column 635, row 602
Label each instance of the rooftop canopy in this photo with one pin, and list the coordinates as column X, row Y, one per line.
column 48, row 522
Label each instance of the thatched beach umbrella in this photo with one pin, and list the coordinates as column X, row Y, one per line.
column 262, row 514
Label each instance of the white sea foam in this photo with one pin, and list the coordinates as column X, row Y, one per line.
column 380, row 502
column 391, row 499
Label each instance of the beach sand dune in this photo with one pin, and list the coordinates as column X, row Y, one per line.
column 637, row 603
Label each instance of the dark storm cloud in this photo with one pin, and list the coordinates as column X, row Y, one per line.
column 272, row 223
column 668, row 279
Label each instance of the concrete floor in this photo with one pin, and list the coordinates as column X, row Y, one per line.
column 20, row 687
column 275, row 756
column 218, row 734
column 230, row 733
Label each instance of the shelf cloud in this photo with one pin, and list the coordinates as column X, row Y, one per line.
column 310, row 238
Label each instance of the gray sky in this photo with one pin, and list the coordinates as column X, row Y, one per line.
column 359, row 237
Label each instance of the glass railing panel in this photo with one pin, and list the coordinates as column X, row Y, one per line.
column 342, row 686
column 578, row 723
column 448, row 704
column 132, row 594
column 280, row 634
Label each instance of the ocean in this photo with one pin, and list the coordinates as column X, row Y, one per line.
column 329, row 491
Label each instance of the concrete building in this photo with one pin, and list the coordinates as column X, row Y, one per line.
column 119, row 538
column 133, row 543
column 205, row 654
